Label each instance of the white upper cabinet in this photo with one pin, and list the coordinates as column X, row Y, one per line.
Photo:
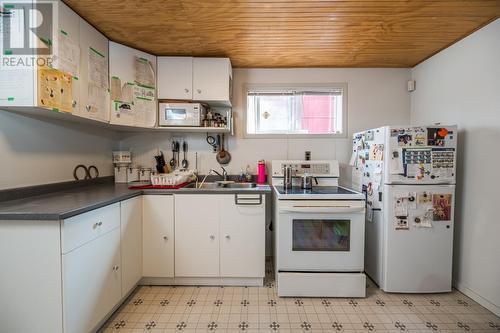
column 132, row 75
column 175, row 78
column 158, row 236
column 94, row 78
column 67, row 49
column 212, row 80
column 199, row 79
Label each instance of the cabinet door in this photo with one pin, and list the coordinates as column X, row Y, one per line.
column 197, row 235
column 211, row 79
column 30, row 277
column 67, row 48
column 158, row 236
column 242, row 232
column 175, row 78
column 131, row 243
column 94, row 79
column 91, row 282
column 123, row 66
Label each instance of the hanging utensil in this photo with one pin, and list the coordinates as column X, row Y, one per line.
column 212, row 142
column 172, row 161
column 185, row 162
column 177, row 150
column 223, row 157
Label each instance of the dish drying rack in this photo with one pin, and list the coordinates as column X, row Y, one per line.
column 174, row 178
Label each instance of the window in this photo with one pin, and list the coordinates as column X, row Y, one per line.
column 306, row 111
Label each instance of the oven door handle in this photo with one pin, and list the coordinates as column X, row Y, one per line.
column 322, row 209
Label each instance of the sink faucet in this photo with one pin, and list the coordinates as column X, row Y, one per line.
column 223, row 175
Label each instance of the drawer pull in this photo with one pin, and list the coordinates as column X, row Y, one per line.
column 212, row 237
column 248, row 201
column 228, row 237
column 165, row 237
column 97, row 224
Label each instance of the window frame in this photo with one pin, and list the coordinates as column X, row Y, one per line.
column 325, row 87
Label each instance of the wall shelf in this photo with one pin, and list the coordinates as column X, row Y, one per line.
column 50, row 115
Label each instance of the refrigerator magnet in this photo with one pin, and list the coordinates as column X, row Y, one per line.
column 441, row 204
column 401, row 223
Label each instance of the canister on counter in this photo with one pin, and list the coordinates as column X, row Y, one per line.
column 121, row 174
column 133, row 174
column 145, row 174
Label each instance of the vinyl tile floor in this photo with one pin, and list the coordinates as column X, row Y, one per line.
column 259, row 309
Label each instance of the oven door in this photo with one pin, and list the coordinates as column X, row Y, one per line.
column 320, row 236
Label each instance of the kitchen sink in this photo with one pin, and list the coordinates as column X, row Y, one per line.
column 241, row 185
column 204, row 185
column 222, row 185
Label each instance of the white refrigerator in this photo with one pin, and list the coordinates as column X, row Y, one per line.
column 408, row 177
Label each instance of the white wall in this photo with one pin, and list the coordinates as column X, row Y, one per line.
column 376, row 97
column 34, row 152
column 461, row 85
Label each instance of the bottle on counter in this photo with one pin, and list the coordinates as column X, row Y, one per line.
column 261, row 172
column 248, row 175
column 241, row 177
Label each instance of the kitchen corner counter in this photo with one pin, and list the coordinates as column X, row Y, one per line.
column 67, row 203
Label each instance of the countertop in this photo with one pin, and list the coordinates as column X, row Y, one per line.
column 67, row 203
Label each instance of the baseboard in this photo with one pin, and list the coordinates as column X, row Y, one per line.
column 476, row 297
column 203, row 281
column 321, row 284
column 100, row 327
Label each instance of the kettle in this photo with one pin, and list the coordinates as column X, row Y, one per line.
column 306, row 181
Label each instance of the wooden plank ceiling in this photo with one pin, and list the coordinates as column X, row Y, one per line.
column 281, row 33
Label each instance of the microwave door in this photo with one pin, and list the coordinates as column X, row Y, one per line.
column 176, row 114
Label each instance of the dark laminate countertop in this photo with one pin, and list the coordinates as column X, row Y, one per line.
column 71, row 202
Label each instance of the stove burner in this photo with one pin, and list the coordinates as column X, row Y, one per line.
column 315, row 190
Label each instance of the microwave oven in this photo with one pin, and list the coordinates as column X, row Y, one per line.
column 181, row 114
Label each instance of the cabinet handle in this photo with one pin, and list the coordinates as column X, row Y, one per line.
column 199, row 91
column 73, row 103
column 212, row 237
column 228, row 237
column 87, row 108
column 248, row 201
column 97, row 224
column 186, row 90
column 117, row 267
column 165, row 237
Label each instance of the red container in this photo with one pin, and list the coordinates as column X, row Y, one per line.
column 261, row 172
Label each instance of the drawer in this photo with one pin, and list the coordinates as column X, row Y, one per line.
column 85, row 227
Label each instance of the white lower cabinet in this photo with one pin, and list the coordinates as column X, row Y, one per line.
column 91, row 282
column 197, row 235
column 158, row 236
column 93, row 260
column 131, row 243
column 242, row 230
column 220, row 235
